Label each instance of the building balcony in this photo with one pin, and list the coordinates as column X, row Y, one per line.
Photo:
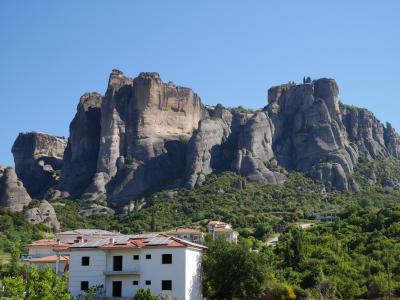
column 122, row 273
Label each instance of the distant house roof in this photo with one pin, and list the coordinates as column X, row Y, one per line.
column 183, row 230
column 219, row 224
column 88, row 232
column 49, row 259
column 47, row 243
column 139, row 242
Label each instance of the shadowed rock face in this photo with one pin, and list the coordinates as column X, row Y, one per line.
column 80, row 157
column 37, row 157
column 13, row 195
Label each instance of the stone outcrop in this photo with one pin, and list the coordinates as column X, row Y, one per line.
column 255, row 150
column 44, row 213
column 144, row 126
column 144, row 134
column 13, row 195
column 38, row 160
column 80, row 157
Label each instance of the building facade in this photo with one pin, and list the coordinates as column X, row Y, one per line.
column 118, row 267
column 189, row 234
column 222, row 230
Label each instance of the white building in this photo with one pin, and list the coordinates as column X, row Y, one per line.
column 47, row 253
column 54, row 252
column 121, row 265
column 222, row 230
column 189, row 234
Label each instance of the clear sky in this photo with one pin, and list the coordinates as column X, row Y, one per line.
column 230, row 52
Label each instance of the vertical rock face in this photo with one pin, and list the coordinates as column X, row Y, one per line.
column 205, row 149
column 255, row 150
column 13, row 195
column 309, row 133
column 38, row 158
column 80, row 157
column 144, row 126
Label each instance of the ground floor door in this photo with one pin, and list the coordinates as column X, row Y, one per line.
column 117, row 288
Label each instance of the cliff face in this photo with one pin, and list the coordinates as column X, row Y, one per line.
column 80, row 157
column 38, row 157
column 144, row 134
column 143, row 124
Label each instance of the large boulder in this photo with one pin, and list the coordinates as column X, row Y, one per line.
column 38, row 161
column 13, row 195
column 44, row 213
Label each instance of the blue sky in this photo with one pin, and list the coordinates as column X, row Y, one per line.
column 229, row 52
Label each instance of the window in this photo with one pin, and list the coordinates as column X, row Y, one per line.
column 84, row 285
column 135, row 282
column 117, row 263
column 167, row 259
column 148, row 282
column 136, row 257
column 85, row 260
column 166, row 285
column 148, row 256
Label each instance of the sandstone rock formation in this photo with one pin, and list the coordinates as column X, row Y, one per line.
column 38, row 160
column 143, row 125
column 13, row 195
column 44, row 213
column 144, row 134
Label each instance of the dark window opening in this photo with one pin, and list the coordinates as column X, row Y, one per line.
column 85, row 260
column 148, row 256
column 167, row 258
column 135, row 282
column 117, row 288
column 166, row 285
column 148, row 282
column 117, row 263
column 136, row 257
column 84, row 285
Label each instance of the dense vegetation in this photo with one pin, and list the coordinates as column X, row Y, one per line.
column 350, row 252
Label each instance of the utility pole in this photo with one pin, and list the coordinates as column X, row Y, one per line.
column 388, row 275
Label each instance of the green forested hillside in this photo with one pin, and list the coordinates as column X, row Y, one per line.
column 351, row 251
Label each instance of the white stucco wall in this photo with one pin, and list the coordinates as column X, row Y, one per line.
column 184, row 271
column 193, row 283
column 41, row 251
column 94, row 273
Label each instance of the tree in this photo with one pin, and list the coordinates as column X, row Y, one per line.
column 143, row 294
column 233, row 271
column 41, row 284
column 14, row 286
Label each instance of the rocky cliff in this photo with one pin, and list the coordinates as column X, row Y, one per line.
column 38, row 160
column 144, row 134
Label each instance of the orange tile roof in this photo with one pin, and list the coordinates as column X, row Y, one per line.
column 185, row 230
column 47, row 243
column 49, row 259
